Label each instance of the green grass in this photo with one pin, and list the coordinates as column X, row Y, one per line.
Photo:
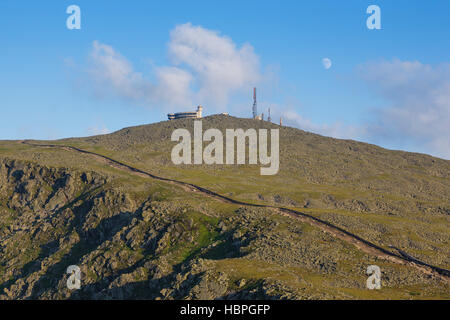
column 206, row 234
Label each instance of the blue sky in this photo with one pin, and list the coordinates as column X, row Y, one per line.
column 128, row 65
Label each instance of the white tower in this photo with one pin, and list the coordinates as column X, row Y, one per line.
column 199, row 111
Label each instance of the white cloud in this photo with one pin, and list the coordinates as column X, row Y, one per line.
column 207, row 68
column 173, row 86
column 220, row 67
column 97, row 130
column 416, row 115
column 113, row 72
column 336, row 130
column 418, row 111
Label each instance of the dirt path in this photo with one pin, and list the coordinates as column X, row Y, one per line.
column 364, row 245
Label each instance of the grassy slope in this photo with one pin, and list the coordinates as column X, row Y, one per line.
column 389, row 197
column 283, row 251
column 405, row 195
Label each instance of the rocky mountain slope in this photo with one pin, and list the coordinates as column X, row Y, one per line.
column 136, row 237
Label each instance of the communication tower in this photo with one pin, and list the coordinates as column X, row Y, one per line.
column 255, row 109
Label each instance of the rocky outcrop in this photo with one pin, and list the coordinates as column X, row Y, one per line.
column 146, row 245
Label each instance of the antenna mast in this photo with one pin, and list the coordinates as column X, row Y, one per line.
column 255, row 111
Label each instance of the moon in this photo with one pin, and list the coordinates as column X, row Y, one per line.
column 326, row 63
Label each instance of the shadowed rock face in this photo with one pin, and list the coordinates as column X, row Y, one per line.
column 52, row 218
column 135, row 238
